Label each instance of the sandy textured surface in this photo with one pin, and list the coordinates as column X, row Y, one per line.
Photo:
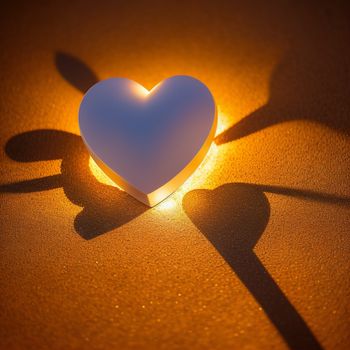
column 251, row 253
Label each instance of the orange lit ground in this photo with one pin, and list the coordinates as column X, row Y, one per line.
column 259, row 263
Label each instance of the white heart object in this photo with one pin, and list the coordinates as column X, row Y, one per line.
column 148, row 142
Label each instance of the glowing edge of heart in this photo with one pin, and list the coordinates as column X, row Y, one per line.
column 195, row 180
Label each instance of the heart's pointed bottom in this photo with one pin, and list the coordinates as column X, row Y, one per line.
column 153, row 198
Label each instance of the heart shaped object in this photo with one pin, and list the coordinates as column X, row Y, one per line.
column 148, row 142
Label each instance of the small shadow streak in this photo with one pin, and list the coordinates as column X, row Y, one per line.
column 303, row 194
column 104, row 207
column 233, row 217
column 35, row 185
column 75, row 71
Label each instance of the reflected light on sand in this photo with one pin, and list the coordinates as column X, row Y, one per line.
column 196, row 180
column 100, row 175
column 223, row 122
column 169, row 203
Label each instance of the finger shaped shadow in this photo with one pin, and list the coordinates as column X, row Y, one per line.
column 104, row 207
column 75, row 71
column 233, row 217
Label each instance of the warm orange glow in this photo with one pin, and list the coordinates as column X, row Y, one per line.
column 223, row 122
column 167, row 204
column 196, row 180
column 100, row 175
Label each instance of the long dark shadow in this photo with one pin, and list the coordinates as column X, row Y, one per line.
column 233, row 217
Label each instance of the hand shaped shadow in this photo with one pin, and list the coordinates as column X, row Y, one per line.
column 104, row 207
column 310, row 83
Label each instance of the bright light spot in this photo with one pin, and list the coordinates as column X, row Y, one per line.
column 167, row 204
column 140, row 90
